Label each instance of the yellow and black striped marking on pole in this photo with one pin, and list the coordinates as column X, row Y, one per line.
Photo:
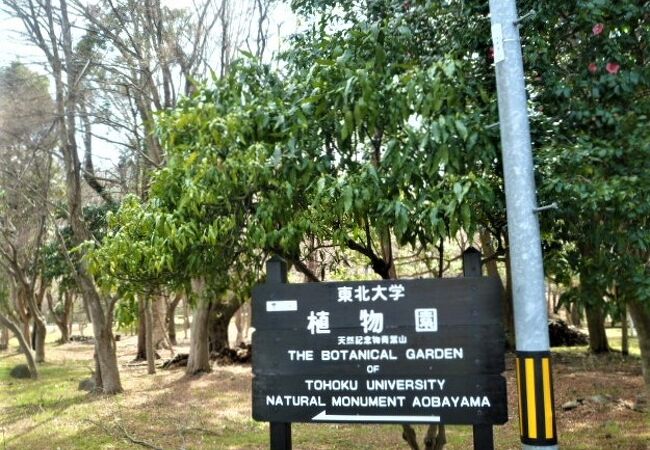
column 535, row 388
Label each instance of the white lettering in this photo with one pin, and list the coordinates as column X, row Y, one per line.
column 434, row 353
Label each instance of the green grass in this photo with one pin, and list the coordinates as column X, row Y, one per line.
column 614, row 336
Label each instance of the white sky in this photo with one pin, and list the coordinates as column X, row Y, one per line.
column 15, row 48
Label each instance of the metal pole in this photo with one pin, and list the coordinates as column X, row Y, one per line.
column 537, row 417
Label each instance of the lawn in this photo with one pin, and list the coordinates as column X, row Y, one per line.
column 171, row 411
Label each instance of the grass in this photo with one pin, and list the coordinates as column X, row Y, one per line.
column 171, row 411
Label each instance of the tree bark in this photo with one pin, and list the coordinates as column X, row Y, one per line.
column 151, row 352
column 63, row 320
column 221, row 313
column 199, row 358
column 625, row 342
column 186, row 318
column 576, row 320
column 158, row 330
column 492, row 269
column 242, row 321
column 22, row 342
column 141, row 354
column 158, row 316
column 40, row 331
column 4, row 338
column 169, row 319
column 640, row 313
column 596, row 325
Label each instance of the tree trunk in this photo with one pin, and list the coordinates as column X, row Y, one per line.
column 576, row 320
column 63, row 320
column 508, row 308
column 640, row 313
column 220, row 314
column 141, row 355
column 98, row 374
column 596, row 324
column 186, row 318
column 169, row 320
column 107, row 369
column 158, row 330
column 158, row 315
column 4, row 338
column 242, row 321
column 24, row 346
column 625, row 342
column 40, row 330
column 199, row 358
column 151, row 352
column 492, row 269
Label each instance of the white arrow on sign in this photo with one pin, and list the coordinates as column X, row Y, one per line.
column 323, row 416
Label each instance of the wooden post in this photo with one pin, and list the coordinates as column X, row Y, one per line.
column 483, row 434
column 276, row 272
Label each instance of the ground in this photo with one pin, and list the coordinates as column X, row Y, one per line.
column 170, row 411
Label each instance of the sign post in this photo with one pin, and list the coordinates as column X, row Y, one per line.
column 483, row 435
column 536, row 411
column 385, row 351
column 276, row 273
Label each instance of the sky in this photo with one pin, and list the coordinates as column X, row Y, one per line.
column 15, row 48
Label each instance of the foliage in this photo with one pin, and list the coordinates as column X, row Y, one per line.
column 363, row 133
column 590, row 76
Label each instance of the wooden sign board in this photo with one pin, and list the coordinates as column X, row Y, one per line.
column 392, row 351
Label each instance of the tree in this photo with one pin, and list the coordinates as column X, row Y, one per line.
column 8, row 320
column 26, row 143
column 49, row 28
column 588, row 65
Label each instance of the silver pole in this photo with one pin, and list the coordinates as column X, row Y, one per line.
column 531, row 316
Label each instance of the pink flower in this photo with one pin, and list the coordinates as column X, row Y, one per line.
column 593, row 68
column 598, row 29
column 613, row 67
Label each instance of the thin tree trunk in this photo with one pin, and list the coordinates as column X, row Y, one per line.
column 151, row 353
column 22, row 342
column 4, row 338
column 186, row 318
column 625, row 342
column 63, row 320
column 141, row 354
column 640, row 313
column 158, row 330
column 575, row 315
column 508, row 308
column 596, row 324
column 169, row 320
column 492, row 269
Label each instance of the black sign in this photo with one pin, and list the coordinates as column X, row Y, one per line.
column 396, row 351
